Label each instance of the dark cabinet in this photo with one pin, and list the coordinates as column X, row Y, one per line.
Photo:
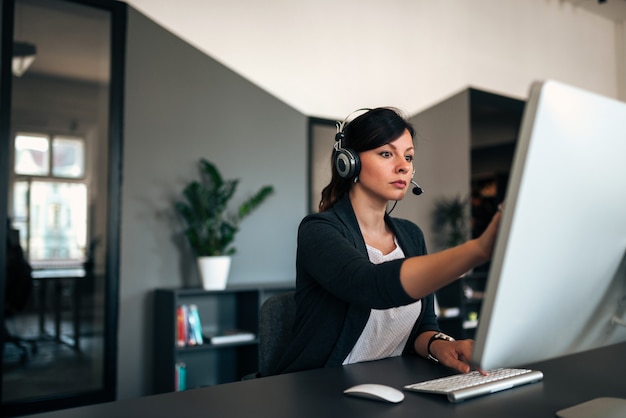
column 235, row 308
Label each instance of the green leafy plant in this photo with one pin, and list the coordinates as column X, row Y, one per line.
column 211, row 228
column 450, row 221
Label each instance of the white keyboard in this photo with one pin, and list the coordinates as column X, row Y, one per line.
column 460, row 387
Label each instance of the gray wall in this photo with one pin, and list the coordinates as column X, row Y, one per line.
column 442, row 160
column 181, row 105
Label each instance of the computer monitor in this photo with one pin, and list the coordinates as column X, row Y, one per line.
column 557, row 280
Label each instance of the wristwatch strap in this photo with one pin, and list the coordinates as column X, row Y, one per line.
column 436, row 336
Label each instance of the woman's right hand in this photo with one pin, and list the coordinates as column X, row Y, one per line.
column 487, row 239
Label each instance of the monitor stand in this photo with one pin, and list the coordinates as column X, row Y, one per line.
column 596, row 408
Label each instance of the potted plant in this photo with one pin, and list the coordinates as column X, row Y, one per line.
column 450, row 221
column 210, row 228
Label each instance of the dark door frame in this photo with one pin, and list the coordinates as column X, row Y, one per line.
column 118, row 12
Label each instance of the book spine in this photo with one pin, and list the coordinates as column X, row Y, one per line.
column 181, row 327
column 180, row 376
column 196, row 326
column 191, row 336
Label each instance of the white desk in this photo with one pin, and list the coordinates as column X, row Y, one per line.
column 59, row 276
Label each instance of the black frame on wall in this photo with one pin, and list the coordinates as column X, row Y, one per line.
column 118, row 12
column 319, row 151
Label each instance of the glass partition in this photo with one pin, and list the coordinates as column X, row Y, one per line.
column 61, row 202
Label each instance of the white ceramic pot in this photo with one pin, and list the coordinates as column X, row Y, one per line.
column 214, row 271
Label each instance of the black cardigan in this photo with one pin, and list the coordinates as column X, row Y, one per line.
column 337, row 286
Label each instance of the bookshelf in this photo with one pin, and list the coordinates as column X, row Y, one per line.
column 208, row 364
column 460, row 303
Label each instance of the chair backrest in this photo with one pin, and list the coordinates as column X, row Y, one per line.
column 276, row 318
column 19, row 280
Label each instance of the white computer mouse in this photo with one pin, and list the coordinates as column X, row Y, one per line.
column 377, row 392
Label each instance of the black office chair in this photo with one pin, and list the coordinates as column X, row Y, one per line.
column 18, row 290
column 276, row 318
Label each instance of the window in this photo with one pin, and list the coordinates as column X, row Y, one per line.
column 50, row 197
column 33, row 157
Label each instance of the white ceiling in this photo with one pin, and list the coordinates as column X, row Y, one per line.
column 327, row 57
column 302, row 52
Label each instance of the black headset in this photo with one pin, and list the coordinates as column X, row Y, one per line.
column 347, row 160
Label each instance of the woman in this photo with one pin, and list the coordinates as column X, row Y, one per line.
column 364, row 284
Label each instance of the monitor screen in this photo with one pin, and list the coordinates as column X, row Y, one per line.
column 557, row 281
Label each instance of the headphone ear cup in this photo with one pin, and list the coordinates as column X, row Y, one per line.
column 347, row 163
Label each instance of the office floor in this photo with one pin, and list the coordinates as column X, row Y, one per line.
column 54, row 367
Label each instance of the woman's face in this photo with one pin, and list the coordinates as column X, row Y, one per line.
column 386, row 171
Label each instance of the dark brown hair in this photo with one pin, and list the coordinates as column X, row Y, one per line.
column 370, row 130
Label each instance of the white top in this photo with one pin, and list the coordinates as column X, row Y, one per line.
column 387, row 330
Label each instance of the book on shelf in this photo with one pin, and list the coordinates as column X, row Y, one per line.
column 180, row 376
column 195, row 327
column 181, row 327
column 231, row 336
column 188, row 326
